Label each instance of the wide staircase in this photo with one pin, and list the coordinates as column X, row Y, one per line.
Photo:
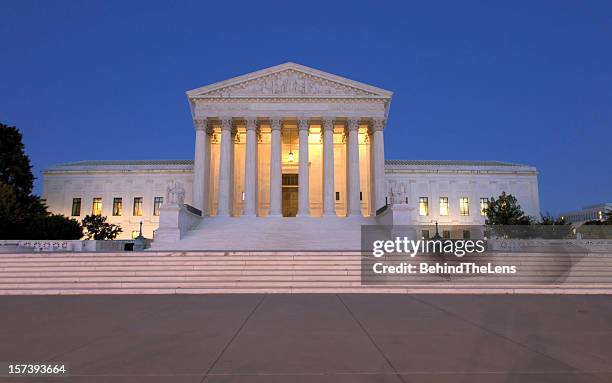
column 283, row 272
column 272, row 233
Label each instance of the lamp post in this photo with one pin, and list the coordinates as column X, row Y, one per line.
column 139, row 243
column 437, row 236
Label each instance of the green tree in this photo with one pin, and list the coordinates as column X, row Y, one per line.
column 607, row 219
column 15, row 168
column 22, row 214
column 55, row 226
column 505, row 211
column 12, row 215
column 548, row 219
column 98, row 229
column 506, row 219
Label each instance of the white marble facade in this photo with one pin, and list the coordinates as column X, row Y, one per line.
column 284, row 141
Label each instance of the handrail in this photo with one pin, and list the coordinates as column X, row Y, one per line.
column 382, row 209
column 193, row 210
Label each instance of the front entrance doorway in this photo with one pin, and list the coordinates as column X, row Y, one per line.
column 290, row 195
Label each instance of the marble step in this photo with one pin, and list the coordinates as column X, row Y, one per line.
column 416, row 289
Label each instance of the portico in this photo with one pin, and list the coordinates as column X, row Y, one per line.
column 289, row 132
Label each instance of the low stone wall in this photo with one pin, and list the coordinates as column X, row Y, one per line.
column 28, row 246
column 527, row 245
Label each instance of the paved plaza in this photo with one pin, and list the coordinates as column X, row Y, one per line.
column 312, row 338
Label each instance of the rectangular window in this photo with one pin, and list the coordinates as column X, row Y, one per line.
column 135, row 234
column 157, row 202
column 76, row 207
column 361, row 196
column 137, row 211
column 290, row 179
column 484, row 203
column 446, row 234
column 464, row 206
column 443, row 205
column 96, row 206
column 425, row 234
column 117, row 206
column 337, row 196
column 423, row 206
column 466, row 234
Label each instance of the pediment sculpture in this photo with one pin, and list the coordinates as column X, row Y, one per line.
column 289, row 83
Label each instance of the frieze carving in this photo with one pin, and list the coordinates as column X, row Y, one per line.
column 289, row 83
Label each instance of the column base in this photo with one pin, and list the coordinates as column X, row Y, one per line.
column 329, row 214
column 275, row 215
column 249, row 215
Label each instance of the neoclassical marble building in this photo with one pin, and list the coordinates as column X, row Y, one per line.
column 286, row 144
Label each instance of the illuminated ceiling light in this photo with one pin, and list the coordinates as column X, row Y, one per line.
column 290, row 156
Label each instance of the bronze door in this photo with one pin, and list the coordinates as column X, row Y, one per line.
column 290, row 201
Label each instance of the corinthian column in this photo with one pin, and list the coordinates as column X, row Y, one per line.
column 250, row 168
column 201, row 164
column 377, row 158
column 275, row 169
column 303, row 173
column 329, row 207
column 354, row 203
column 225, row 168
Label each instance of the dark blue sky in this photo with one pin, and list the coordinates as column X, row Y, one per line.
column 527, row 82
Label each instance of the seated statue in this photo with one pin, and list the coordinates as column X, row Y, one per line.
column 175, row 193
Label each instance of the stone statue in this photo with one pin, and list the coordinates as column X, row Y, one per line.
column 398, row 193
column 175, row 193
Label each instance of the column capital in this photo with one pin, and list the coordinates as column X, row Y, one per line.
column 327, row 123
column 376, row 125
column 303, row 124
column 276, row 123
column 251, row 123
column 200, row 123
column 226, row 123
column 352, row 124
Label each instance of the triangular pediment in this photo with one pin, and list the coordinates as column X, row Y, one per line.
column 289, row 80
